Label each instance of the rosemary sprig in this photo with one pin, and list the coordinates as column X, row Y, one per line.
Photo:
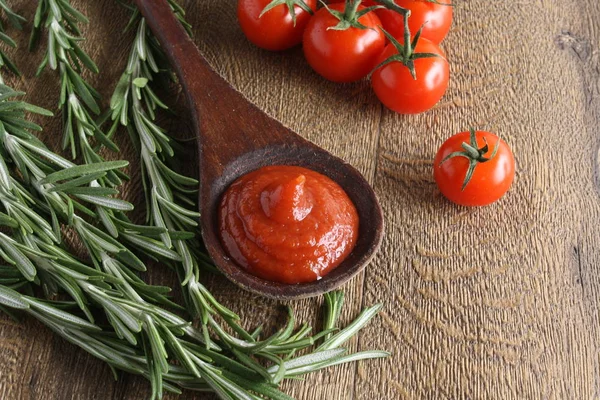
column 15, row 20
column 123, row 301
column 201, row 368
column 78, row 100
column 61, row 188
column 169, row 206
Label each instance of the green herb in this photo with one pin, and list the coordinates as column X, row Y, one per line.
column 62, row 190
column 334, row 301
column 199, row 368
column 168, row 193
column 78, row 99
column 15, row 20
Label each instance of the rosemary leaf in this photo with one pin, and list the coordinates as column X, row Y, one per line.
column 78, row 100
column 81, row 170
column 365, row 355
column 345, row 334
column 11, row 298
column 15, row 20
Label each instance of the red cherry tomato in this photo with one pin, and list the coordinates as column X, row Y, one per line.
column 490, row 180
column 399, row 91
column 275, row 30
column 342, row 55
column 435, row 19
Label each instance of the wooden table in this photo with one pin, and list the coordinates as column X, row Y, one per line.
column 497, row 302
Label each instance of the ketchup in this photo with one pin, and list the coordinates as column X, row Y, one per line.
column 287, row 224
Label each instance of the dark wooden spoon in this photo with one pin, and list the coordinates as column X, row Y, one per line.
column 234, row 138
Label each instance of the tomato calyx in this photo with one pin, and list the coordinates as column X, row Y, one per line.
column 406, row 52
column 290, row 5
column 391, row 5
column 349, row 17
column 474, row 154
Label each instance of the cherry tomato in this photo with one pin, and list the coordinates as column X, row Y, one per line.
column 492, row 174
column 342, row 55
column 399, row 91
column 275, row 29
column 435, row 19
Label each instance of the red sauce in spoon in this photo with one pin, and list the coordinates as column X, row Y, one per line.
column 287, row 224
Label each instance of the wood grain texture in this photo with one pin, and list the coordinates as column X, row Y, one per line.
column 493, row 303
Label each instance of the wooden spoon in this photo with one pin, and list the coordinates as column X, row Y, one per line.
column 234, row 138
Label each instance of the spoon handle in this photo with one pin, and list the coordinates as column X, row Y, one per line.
column 227, row 125
column 194, row 72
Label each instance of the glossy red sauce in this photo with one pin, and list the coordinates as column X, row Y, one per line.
column 287, row 224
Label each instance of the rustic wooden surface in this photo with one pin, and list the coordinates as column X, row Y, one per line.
column 492, row 303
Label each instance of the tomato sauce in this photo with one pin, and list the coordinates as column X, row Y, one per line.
column 287, row 224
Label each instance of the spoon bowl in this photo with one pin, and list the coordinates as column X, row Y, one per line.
column 235, row 138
